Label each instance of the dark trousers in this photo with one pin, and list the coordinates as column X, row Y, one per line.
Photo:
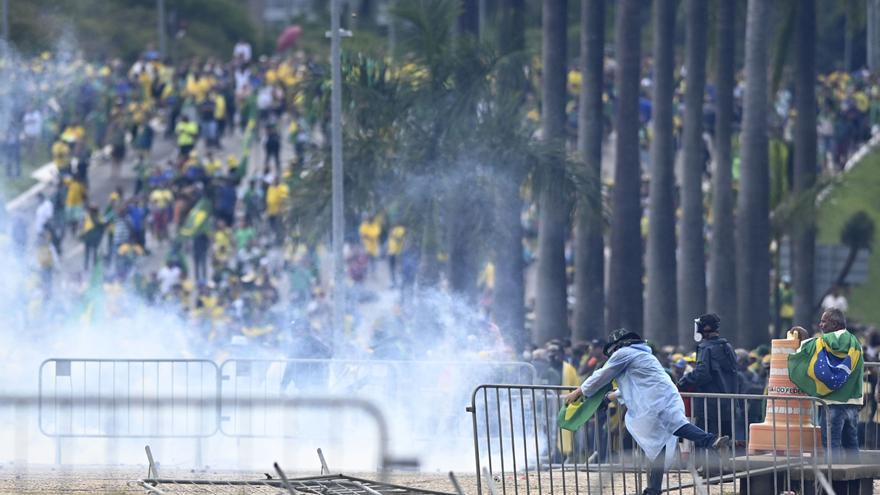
column 690, row 432
column 91, row 256
column 843, row 421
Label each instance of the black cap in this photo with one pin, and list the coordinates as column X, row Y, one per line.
column 710, row 320
column 619, row 338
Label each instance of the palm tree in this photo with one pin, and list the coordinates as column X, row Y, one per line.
column 469, row 18
column 509, row 297
column 589, row 281
column 722, row 259
column 660, row 316
column 551, row 306
column 625, row 283
column 804, row 231
column 753, row 205
column 692, row 269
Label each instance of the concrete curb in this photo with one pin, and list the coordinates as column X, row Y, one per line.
column 45, row 176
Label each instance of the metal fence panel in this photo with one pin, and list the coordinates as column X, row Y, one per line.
column 244, row 381
column 122, row 395
column 445, row 386
column 517, row 442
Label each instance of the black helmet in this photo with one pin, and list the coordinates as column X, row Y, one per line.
column 710, row 320
column 621, row 338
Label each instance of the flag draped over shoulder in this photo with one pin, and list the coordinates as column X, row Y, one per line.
column 829, row 367
column 197, row 219
column 572, row 416
column 93, row 299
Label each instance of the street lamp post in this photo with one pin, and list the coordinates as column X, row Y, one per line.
column 337, row 189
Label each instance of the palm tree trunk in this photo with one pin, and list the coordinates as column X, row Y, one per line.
column 589, row 281
column 551, row 319
column 873, row 18
column 722, row 259
column 469, row 18
column 625, row 284
column 804, row 230
column 753, row 208
column 692, row 269
column 509, row 297
column 463, row 239
column 660, row 316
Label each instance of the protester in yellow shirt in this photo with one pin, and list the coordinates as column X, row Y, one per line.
column 369, row 232
column 276, row 195
column 73, row 203
column 219, row 113
column 212, row 164
column 187, row 132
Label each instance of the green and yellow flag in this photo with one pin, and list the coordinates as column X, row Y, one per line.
column 572, row 416
column 829, row 367
column 197, row 219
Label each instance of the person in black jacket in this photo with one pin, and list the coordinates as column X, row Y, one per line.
column 715, row 372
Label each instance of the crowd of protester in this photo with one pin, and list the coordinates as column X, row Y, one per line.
column 217, row 149
column 569, row 363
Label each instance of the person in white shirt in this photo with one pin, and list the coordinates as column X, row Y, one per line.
column 242, row 51
column 33, row 123
column 44, row 213
column 168, row 276
column 835, row 300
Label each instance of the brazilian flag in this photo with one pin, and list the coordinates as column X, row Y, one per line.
column 197, row 220
column 829, row 367
column 93, row 299
column 572, row 416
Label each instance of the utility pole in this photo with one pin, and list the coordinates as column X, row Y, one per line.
column 337, row 191
column 160, row 25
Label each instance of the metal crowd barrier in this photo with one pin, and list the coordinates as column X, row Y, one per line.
column 519, row 449
column 869, row 416
column 289, row 406
column 122, row 390
column 445, row 385
column 244, row 381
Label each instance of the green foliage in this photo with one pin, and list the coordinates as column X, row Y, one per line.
column 856, row 192
column 420, row 133
column 123, row 28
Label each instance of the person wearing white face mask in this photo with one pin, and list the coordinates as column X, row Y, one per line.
column 714, row 372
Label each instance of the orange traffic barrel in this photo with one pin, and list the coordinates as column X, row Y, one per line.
column 788, row 424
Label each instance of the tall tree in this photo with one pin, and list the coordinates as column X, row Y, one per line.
column 722, row 258
column 625, row 283
column 804, row 230
column 463, row 199
column 469, row 17
column 753, row 202
column 507, row 305
column 873, row 36
column 589, row 275
column 551, row 305
column 692, row 269
column 660, row 306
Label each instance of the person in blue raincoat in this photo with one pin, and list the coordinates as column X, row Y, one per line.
column 655, row 412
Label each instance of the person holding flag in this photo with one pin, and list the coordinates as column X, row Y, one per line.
column 831, row 367
column 655, row 411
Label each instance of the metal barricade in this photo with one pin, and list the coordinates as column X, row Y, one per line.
column 244, row 381
column 120, row 395
column 393, row 384
column 21, row 406
column 869, row 416
column 517, row 442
